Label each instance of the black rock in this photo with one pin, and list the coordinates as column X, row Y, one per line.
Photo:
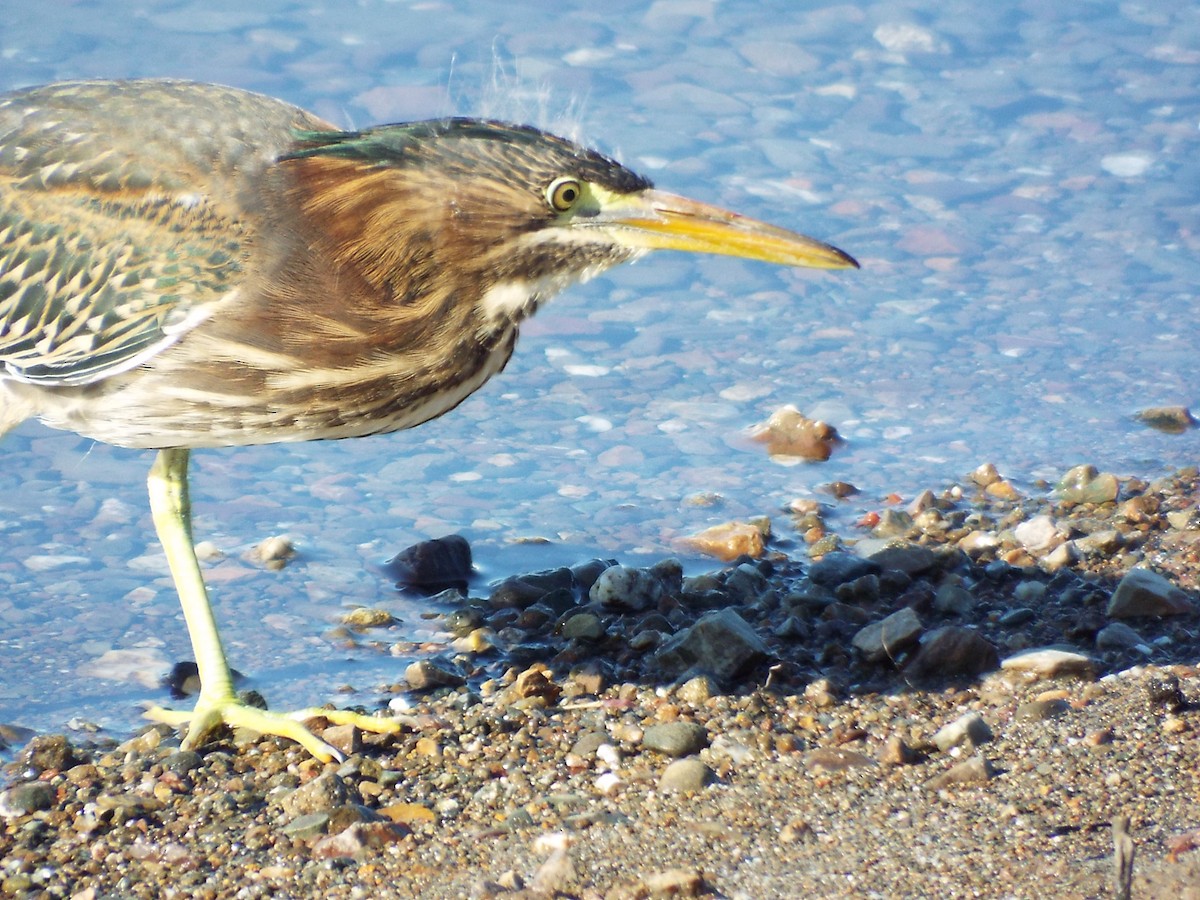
column 432, row 566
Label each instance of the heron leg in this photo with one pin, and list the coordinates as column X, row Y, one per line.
column 218, row 703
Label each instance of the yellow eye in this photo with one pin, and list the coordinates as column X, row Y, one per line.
column 564, row 193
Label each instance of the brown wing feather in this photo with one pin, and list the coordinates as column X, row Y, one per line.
column 126, row 211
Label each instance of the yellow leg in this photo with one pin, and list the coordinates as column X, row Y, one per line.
column 218, row 704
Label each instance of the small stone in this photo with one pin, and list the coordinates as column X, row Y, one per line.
column 1029, row 592
column 889, row 637
column 1180, row 519
column 1118, row 636
column 970, row 729
column 425, row 675
column 626, row 588
column 322, row 794
column 408, row 813
column 554, row 874
column 835, row 759
column 977, row 542
column 433, row 565
column 587, row 744
column 1039, row 535
column 274, row 552
column 838, row 568
column 1100, row 543
column 729, row 540
column 1050, row 662
column 895, row 752
column 1145, row 593
column 975, row 770
column 536, row 682
column 791, row 435
column 1164, row 692
column 911, row 559
column 1002, row 490
column 1018, row 616
column 686, row 775
column 49, row 752
column 721, row 642
column 953, row 598
column 1060, row 557
column 24, row 799
column 583, row 627
column 358, row 839
column 985, row 474
column 674, row 883
column 1171, row 419
column 953, row 651
column 364, row 617
column 1041, row 710
column 183, row 762
column 696, row 691
column 346, row 738
column 862, row 591
column 746, row 583
column 821, row 693
column 676, row 738
column 307, row 826
column 892, row 523
column 1083, row 484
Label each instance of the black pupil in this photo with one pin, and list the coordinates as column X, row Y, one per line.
column 567, row 194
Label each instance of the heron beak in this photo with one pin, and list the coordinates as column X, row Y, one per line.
column 656, row 220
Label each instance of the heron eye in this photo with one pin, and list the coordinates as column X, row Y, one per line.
column 564, row 193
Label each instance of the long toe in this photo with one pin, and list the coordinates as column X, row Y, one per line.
column 209, row 715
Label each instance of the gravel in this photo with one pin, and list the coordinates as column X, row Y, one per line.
column 753, row 732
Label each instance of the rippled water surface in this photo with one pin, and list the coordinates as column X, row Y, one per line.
column 1020, row 184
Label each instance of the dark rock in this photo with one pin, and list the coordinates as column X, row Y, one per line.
column 23, row 799
column 515, row 593
column 49, row 752
column 953, row 598
column 1118, row 636
column 547, row 580
column 586, row 573
column 863, row 590
column 889, row 637
column 1164, row 692
column 953, row 651
column 433, row 565
column 720, row 642
column 911, row 559
column 1146, row 593
column 838, row 568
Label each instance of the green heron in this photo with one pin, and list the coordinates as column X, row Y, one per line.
column 188, row 265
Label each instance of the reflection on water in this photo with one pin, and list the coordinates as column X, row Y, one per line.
column 1020, row 188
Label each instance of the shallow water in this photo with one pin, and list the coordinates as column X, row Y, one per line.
column 1019, row 184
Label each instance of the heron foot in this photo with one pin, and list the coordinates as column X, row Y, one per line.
column 210, row 714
